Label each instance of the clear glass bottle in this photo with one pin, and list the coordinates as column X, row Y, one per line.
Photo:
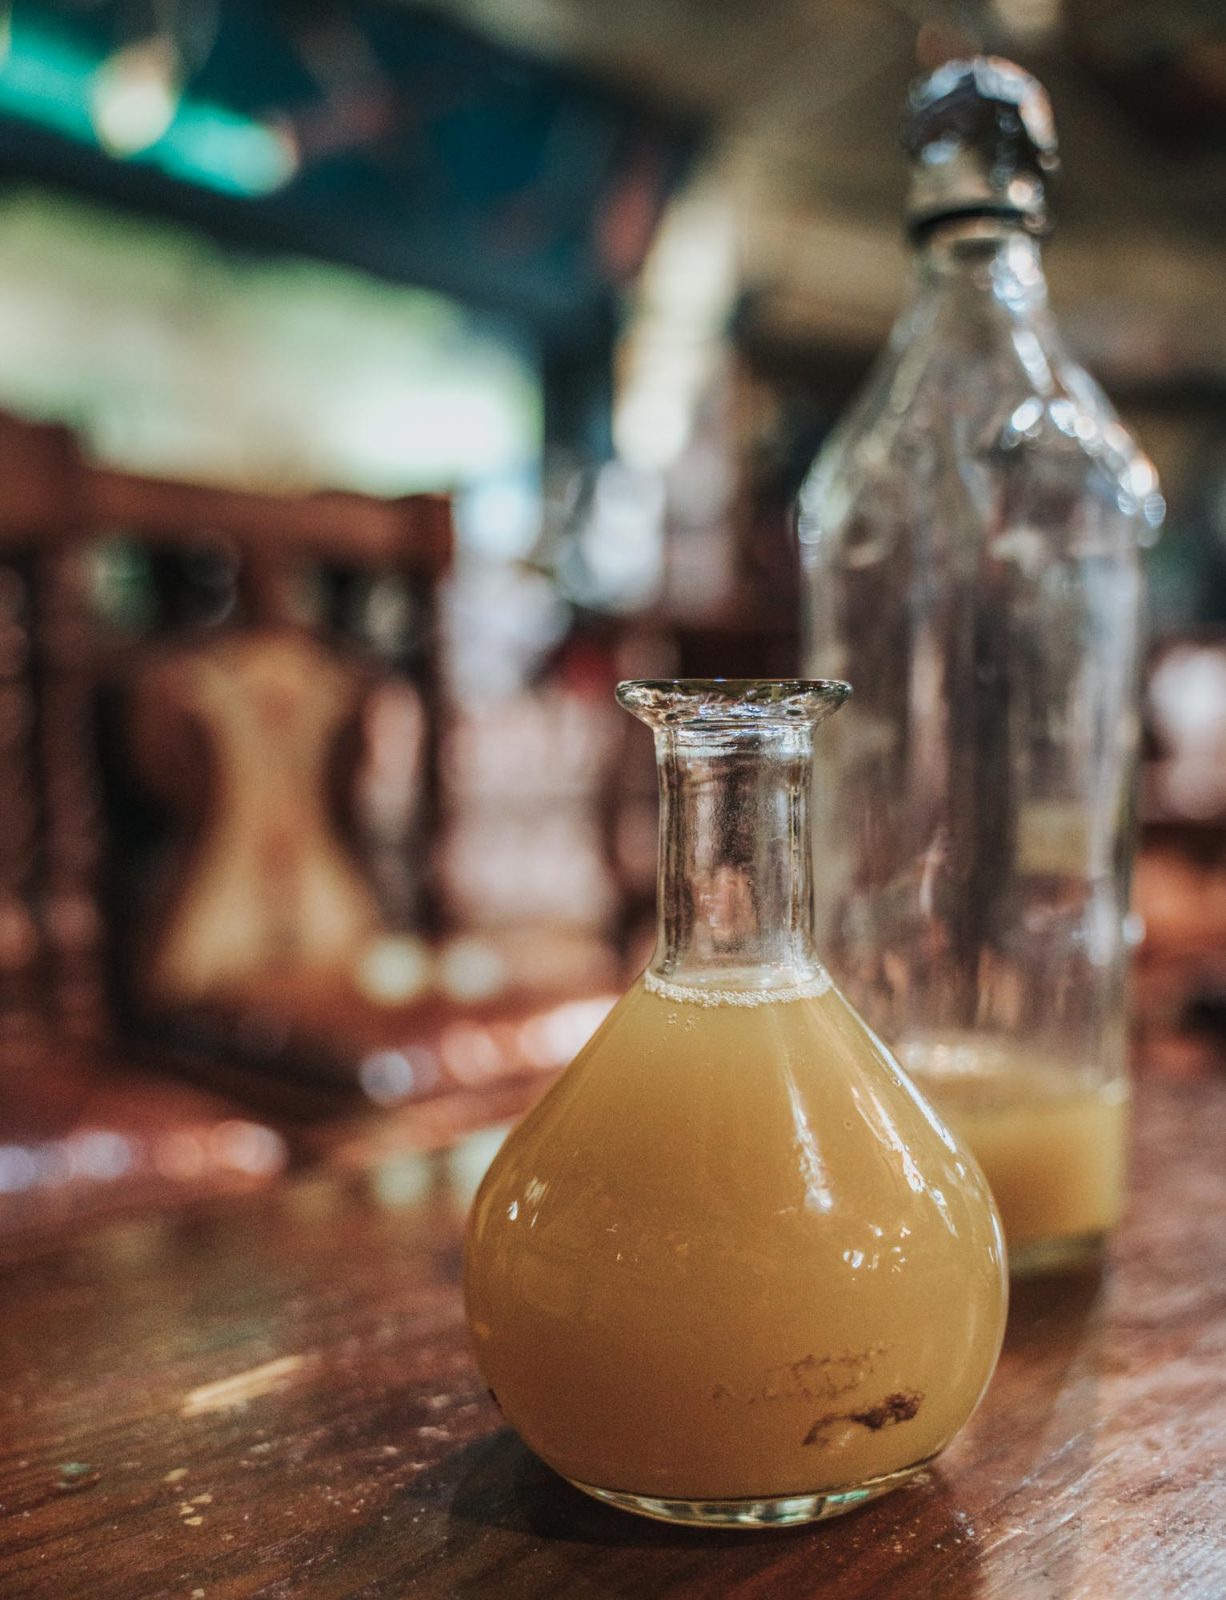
column 972, row 535
column 732, row 1270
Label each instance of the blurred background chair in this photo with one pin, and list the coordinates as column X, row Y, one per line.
column 250, row 846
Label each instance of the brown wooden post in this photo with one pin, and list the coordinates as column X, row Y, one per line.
column 72, row 811
column 40, row 470
column 428, row 543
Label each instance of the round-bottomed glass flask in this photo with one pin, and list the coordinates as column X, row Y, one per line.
column 732, row 1269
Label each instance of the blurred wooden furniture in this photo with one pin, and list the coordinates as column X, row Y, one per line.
column 58, row 510
column 89, row 1122
column 1179, row 888
column 276, row 1397
column 239, row 735
column 1179, row 978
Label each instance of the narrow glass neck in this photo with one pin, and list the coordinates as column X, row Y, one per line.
column 991, row 267
column 735, row 871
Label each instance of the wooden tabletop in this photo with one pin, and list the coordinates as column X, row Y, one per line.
column 275, row 1399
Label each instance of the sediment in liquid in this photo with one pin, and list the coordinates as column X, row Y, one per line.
column 732, row 1253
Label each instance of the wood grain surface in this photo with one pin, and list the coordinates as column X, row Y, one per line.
column 275, row 1399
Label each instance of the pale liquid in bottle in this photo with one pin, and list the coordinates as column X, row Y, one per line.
column 733, row 1254
column 1051, row 1145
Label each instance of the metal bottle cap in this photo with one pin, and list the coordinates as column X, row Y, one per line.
column 982, row 143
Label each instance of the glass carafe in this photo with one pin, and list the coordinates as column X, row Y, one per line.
column 972, row 534
column 732, row 1269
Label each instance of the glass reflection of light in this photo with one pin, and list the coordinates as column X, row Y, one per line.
column 389, row 1076
column 248, row 1147
column 1026, row 419
column 879, row 1119
column 470, row 1053
column 101, row 1156
column 393, row 969
column 917, row 1099
column 18, row 1169
column 134, row 96
column 500, row 516
column 870, row 1259
column 180, row 1156
column 535, row 1191
column 1064, row 414
column 471, row 969
column 1033, row 358
column 554, row 1037
column 817, row 1191
column 476, row 1054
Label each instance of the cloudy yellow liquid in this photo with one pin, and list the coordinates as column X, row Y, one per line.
column 1051, row 1146
column 733, row 1254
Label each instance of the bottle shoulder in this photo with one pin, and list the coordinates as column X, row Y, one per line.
column 945, row 419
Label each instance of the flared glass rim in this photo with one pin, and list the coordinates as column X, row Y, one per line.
column 732, row 702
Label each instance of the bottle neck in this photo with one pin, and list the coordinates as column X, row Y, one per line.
column 991, row 267
column 735, row 870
